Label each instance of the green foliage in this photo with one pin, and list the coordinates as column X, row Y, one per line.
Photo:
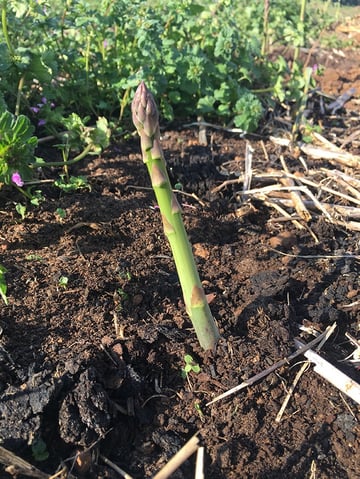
column 17, row 146
column 197, row 57
column 78, row 134
column 3, row 284
column 74, row 183
column 249, row 112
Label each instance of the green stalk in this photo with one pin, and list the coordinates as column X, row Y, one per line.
column 146, row 120
column 301, row 26
column 265, row 39
column 77, row 158
column 302, row 105
column 18, row 96
column 5, row 29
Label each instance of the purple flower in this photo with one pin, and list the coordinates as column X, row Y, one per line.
column 41, row 122
column 35, row 109
column 44, row 100
column 105, row 43
column 16, row 179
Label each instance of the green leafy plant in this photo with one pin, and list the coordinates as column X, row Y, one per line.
column 21, row 209
column 190, row 366
column 3, row 284
column 146, row 121
column 72, row 184
column 91, row 139
column 199, row 58
column 17, row 147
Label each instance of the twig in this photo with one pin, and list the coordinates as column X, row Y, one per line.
column 335, row 210
column 277, row 207
column 291, row 390
column 249, row 150
column 217, row 127
column 349, row 225
column 328, row 190
column 354, row 135
column 271, row 188
column 328, row 331
column 264, row 150
column 16, row 465
column 349, row 182
column 295, row 195
column 264, row 177
column 116, row 468
column 303, row 368
column 341, row 100
column 332, row 153
column 313, row 470
column 342, row 157
column 332, row 374
column 180, row 457
column 347, row 406
column 199, row 468
column 317, row 256
column 58, row 474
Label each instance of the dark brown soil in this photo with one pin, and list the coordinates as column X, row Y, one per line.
column 98, row 362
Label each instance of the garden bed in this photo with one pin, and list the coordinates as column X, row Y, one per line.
column 94, row 336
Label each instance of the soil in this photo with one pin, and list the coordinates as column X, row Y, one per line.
column 95, row 365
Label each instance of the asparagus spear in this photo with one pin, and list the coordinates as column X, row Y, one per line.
column 146, row 120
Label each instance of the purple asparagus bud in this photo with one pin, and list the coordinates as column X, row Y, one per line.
column 144, row 112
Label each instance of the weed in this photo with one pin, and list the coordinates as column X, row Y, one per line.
column 39, row 450
column 73, row 183
column 33, row 257
column 199, row 411
column 190, row 366
column 60, row 213
column 3, row 284
column 63, row 282
column 21, row 209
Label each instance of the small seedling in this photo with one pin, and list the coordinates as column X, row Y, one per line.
column 63, row 282
column 60, row 213
column 199, row 411
column 21, row 209
column 33, row 257
column 190, row 366
column 39, row 450
column 124, row 275
column 120, row 296
column 3, row 285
